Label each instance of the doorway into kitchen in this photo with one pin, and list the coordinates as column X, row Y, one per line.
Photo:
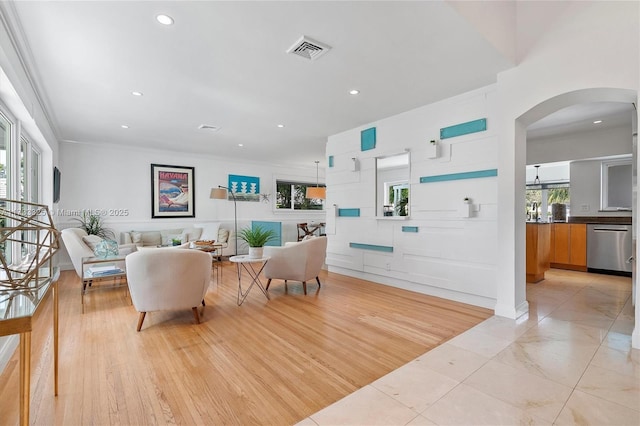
column 577, row 160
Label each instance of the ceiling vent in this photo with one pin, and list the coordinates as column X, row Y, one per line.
column 308, row 48
column 208, row 127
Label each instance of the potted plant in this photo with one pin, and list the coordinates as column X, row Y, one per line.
column 256, row 238
column 93, row 225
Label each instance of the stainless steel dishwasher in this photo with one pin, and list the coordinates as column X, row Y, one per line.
column 609, row 248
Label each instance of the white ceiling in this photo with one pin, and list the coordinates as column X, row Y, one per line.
column 225, row 64
column 580, row 118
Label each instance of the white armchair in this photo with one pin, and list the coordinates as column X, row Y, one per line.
column 300, row 261
column 168, row 280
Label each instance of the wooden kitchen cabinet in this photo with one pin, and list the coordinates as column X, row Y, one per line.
column 568, row 246
column 537, row 261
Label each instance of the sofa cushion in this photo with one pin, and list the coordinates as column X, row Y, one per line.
column 167, row 238
column 151, row 238
column 91, row 241
column 191, row 234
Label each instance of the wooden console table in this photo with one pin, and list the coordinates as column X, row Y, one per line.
column 18, row 308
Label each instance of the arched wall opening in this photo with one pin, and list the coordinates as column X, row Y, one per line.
column 512, row 302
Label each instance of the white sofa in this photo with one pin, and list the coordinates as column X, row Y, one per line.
column 79, row 244
column 208, row 231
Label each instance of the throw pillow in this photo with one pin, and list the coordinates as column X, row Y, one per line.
column 209, row 231
column 92, row 241
column 136, row 238
column 223, row 236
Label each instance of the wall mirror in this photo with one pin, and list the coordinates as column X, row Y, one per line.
column 392, row 185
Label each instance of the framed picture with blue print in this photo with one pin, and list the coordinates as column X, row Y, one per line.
column 172, row 191
column 245, row 188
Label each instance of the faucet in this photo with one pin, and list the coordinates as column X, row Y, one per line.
column 535, row 211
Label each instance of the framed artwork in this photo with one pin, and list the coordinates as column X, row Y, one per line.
column 245, row 188
column 172, row 189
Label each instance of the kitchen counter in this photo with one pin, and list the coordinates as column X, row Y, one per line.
column 619, row 220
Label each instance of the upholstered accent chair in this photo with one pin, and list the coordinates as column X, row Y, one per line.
column 299, row 261
column 168, row 280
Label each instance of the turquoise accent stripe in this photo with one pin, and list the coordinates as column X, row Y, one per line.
column 349, row 212
column 368, row 139
column 331, row 161
column 409, row 229
column 463, row 128
column 386, row 249
column 459, row 176
column 276, row 227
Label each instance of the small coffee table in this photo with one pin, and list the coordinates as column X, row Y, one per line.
column 216, row 256
column 247, row 263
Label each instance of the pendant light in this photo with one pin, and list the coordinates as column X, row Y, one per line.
column 316, row 192
column 536, row 181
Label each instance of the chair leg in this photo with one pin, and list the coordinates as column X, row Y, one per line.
column 268, row 284
column 304, row 287
column 140, row 320
column 195, row 314
column 319, row 285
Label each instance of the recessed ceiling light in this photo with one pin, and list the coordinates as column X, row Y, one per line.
column 240, row 144
column 597, row 122
column 281, row 125
column 164, row 19
column 354, row 92
column 124, row 126
column 135, row 93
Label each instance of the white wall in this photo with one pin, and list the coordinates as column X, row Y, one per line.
column 580, row 146
column 119, row 178
column 449, row 256
column 562, row 65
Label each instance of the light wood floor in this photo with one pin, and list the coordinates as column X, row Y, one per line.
column 265, row 362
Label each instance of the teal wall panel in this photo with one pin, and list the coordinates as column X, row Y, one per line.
column 459, row 176
column 387, row 249
column 463, row 128
column 349, row 212
column 275, row 226
column 368, row 139
column 409, row 229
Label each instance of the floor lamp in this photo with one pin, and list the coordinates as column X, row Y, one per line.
column 220, row 193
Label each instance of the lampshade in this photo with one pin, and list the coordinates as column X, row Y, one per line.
column 218, row 193
column 316, row 192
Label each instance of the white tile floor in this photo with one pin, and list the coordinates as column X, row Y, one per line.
column 570, row 362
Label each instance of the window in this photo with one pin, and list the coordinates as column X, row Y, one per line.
column 5, row 157
column 540, row 199
column 616, row 184
column 291, row 196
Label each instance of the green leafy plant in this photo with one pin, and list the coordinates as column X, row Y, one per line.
column 257, row 236
column 93, row 225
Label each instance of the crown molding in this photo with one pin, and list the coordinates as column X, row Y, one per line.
column 13, row 27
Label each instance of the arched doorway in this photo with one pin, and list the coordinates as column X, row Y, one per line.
column 511, row 294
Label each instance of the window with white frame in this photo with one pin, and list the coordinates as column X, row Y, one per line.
column 616, row 184
column 291, row 195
